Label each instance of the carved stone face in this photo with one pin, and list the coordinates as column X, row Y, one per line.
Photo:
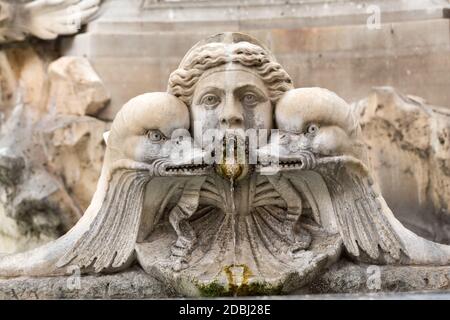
column 230, row 98
column 145, row 125
column 315, row 119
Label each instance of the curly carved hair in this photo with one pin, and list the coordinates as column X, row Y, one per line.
column 183, row 80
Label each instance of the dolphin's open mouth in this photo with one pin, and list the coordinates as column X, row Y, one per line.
column 187, row 169
column 283, row 164
column 291, row 163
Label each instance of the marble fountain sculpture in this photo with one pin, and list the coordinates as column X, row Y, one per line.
column 45, row 19
column 232, row 182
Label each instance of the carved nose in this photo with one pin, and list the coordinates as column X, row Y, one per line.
column 231, row 116
column 231, row 121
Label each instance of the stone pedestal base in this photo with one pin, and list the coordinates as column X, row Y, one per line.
column 346, row 277
column 132, row 284
column 342, row 278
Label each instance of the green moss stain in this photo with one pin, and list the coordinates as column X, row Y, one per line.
column 214, row 289
column 259, row 289
column 233, row 288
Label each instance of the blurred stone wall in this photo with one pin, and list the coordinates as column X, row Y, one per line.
column 339, row 45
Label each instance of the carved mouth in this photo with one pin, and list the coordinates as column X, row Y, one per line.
column 230, row 166
column 304, row 160
column 187, row 169
column 284, row 165
column 294, row 164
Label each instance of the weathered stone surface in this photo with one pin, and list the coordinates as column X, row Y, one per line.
column 132, row 284
column 236, row 225
column 343, row 278
column 222, row 279
column 50, row 161
column 74, row 148
column 43, row 192
column 408, row 143
column 7, row 82
column 347, row 277
column 44, row 195
column 75, row 88
column 124, row 178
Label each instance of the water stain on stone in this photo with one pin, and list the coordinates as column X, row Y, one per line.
column 238, row 284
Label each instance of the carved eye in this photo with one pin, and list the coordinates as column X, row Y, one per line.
column 312, row 128
column 155, row 136
column 250, row 99
column 210, row 100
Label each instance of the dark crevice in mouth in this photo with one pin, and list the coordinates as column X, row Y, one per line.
column 235, row 142
column 189, row 168
column 285, row 164
column 291, row 164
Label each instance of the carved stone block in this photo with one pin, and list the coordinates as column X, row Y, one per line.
column 75, row 88
column 233, row 182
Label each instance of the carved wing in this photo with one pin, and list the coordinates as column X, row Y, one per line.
column 359, row 215
column 110, row 240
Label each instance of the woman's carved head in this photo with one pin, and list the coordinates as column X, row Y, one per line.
column 229, row 81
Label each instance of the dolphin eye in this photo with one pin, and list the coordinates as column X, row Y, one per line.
column 312, row 128
column 155, row 136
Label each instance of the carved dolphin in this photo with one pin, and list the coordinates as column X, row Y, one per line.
column 138, row 149
column 315, row 121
